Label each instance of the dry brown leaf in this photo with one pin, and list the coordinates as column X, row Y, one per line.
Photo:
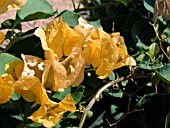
column 162, row 7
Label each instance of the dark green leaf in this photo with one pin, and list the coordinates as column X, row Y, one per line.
column 4, row 59
column 164, row 73
column 98, row 121
column 125, row 2
column 167, row 119
column 77, row 93
column 113, row 93
column 142, row 37
column 146, row 98
column 30, row 45
column 9, row 24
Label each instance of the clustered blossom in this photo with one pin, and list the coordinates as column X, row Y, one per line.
column 67, row 52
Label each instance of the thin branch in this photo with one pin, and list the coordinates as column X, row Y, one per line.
column 95, row 7
column 160, row 42
column 99, row 92
column 136, row 110
column 16, row 40
column 74, row 6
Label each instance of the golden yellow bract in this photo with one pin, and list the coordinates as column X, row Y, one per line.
column 59, row 75
column 6, row 5
column 6, row 88
column 51, row 113
column 2, row 37
column 31, row 89
column 59, row 37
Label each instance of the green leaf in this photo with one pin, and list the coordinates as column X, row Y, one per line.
column 167, row 119
column 34, row 10
column 125, row 2
column 151, row 66
column 98, row 121
column 168, row 51
column 61, row 95
column 149, row 5
column 113, row 93
column 9, row 23
column 26, row 44
column 71, row 18
column 6, row 58
column 96, row 24
column 153, row 50
column 164, row 73
column 140, row 36
column 15, row 96
column 146, row 98
column 77, row 93
column 18, row 117
column 112, row 76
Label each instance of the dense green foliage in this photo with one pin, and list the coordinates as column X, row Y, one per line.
column 139, row 102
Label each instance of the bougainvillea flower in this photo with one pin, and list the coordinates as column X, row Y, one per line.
column 32, row 66
column 60, row 75
column 2, row 37
column 108, row 53
column 59, row 37
column 51, row 113
column 14, row 68
column 6, row 88
column 104, row 53
column 6, row 5
column 55, row 74
column 31, row 89
column 85, row 31
column 74, row 65
column 123, row 57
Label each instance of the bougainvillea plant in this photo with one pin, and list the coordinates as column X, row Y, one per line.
column 109, row 71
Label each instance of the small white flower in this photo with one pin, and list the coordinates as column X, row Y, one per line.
column 41, row 66
column 28, row 72
column 32, row 63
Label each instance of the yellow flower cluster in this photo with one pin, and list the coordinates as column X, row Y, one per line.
column 67, row 52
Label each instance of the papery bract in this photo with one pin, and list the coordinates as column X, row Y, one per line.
column 51, row 113
column 2, row 37
column 59, row 37
column 14, row 68
column 31, row 64
column 6, row 88
column 31, row 89
column 74, row 65
column 55, row 74
column 84, row 30
column 6, row 5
